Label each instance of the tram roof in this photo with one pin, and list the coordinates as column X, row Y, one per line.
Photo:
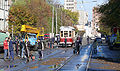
column 67, row 28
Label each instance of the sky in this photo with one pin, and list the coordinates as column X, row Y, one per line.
column 88, row 6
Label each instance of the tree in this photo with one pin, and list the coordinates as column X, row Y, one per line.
column 35, row 13
column 110, row 13
column 42, row 11
column 20, row 15
column 70, row 18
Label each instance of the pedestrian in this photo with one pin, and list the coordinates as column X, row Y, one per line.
column 57, row 40
column 5, row 48
column 51, row 46
column 11, row 49
column 77, row 45
column 95, row 47
column 40, row 49
column 87, row 39
column 65, row 42
column 16, row 45
column 80, row 40
column 27, row 52
column 22, row 46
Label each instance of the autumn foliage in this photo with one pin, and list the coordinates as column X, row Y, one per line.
column 35, row 13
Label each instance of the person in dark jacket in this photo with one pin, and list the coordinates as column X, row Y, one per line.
column 11, row 49
column 27, row 52
column 40, row 49
column 77, row 43
column 16, row 45
column 87, row 39
column 22, row 46
column 65, row 42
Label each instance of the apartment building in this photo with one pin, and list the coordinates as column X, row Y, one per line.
column 95, row 20
column 4, row 11
column 70, row 4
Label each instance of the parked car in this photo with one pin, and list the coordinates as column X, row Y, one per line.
column 99, row 40
column 92, row 38
column 3, row 35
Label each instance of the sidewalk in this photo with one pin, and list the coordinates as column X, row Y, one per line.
column 105, row 60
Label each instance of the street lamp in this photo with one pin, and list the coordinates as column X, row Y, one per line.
column 4, row 13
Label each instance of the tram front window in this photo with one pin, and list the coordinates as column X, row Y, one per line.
column 70, row 33
column 65, row 33
column 61, row 33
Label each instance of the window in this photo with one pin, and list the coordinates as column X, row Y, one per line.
column 70, row 33
column 69, row 0
column 71, row 7
column 61, row 33
column 70, row 4
column 65, row 33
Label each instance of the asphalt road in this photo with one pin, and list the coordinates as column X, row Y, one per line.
column 103, row 60
column 78, row 62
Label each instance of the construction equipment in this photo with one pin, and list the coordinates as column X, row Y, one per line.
column 29, row 29
column 32, row 34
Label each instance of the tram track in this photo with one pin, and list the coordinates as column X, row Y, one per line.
column 91, row 51
column 38, row 62
column 64, row 63
column 88, row 62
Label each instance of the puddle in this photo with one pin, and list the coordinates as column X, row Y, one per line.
column 54, row 66
column 34, row 67
column 12, row 66
column 78, row 66
column 53, row 61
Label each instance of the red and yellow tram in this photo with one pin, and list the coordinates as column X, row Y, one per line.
column 67, row 32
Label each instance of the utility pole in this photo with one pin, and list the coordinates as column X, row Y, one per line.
column 56, row 21
column 12, row 31
column 53, row 20
column 61, row 17
column 4, row 13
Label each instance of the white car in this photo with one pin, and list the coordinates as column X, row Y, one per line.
column 92, row 38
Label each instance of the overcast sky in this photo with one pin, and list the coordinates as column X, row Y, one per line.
column 88, row 6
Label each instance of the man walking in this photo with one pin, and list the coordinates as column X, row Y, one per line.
column 16, row 45
column 11, row 49
column 40, row 49
column 5, row 48
column 27, row 52
column 77, row 43
column 22, row 46
column 65, row 42
column 87, row 39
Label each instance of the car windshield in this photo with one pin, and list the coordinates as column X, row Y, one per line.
column 31, row 36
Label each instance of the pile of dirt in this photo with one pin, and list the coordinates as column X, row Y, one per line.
column 53, row 61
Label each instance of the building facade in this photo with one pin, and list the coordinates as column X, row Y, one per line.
column 70, row 5
column 95, row 20
column 4, row 11
column 83, row 17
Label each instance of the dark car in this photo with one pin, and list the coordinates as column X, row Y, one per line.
column 99, row 40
